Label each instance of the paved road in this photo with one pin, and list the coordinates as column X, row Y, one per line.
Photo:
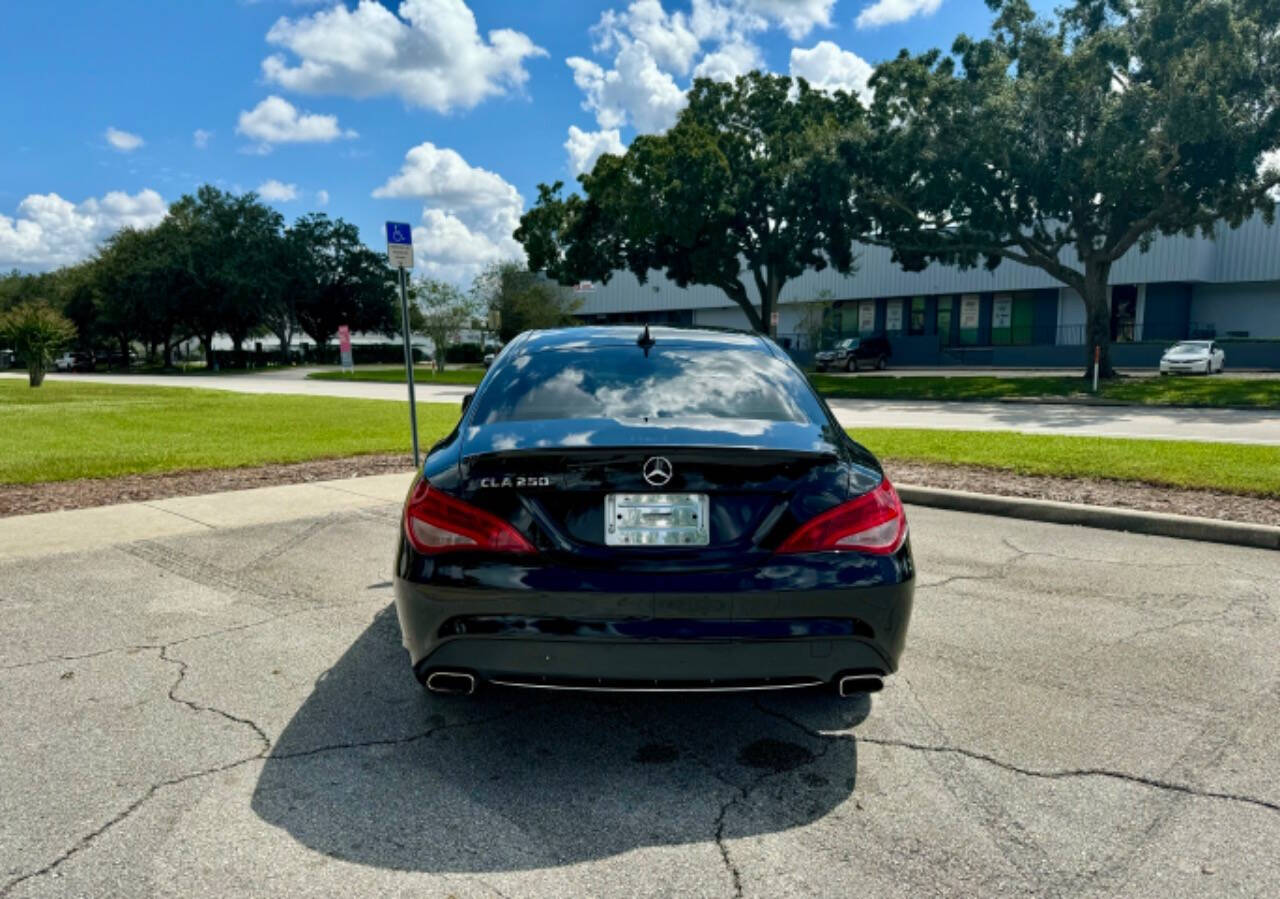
column 229, row 713
column 1222, row 425
column 1225, row 425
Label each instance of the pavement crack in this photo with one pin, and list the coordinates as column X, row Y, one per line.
column 997, row 573
column 203, row 635
column 197, row 707
column 1069, row 773
column 87, row 840
column 399, row 741
column 734, row 874
column 1059, row 774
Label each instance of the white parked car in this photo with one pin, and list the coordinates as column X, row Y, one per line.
column 1196, row 356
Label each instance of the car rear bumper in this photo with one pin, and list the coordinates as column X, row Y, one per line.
column 1188, row 367
column 654, row 641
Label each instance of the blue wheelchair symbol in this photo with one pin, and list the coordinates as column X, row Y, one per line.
column 399, row 232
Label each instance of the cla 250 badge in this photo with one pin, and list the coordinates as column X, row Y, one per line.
column 522, row 481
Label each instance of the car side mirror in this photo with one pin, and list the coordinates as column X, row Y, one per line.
column 466, row 401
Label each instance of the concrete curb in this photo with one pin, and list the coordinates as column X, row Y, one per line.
column 1185, row 527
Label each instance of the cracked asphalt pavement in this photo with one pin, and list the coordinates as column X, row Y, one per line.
column 1079, row 713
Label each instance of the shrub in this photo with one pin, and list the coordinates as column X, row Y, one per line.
column 37, row 331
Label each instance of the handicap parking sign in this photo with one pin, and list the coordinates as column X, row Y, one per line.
column 400, row 244
column 399, row 232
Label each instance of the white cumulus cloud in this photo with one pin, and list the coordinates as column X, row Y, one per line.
column 277, row 121
column 796, row 17
column 635, row 91
column 585, row 147
column 668, row 36
column 648, row 48
column 729, row 61
column 469, row 213
column 48, row 231
column 887, row 12
column 123, row 140
column 430, row 54
column 829, row 68
column 277, row 191
column 200, row 138
column 322, row 198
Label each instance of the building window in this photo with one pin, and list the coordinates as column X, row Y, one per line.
column 1124, row 312
column 1002, row 319
column 969, row 306
column 944, row 321
column 893, row 315
column 866, row 316
column 916, row 325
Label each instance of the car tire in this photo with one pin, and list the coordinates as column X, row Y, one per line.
column 880, row 364
column 851, row 365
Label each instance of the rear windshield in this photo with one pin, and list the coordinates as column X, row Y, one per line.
column 620, row 382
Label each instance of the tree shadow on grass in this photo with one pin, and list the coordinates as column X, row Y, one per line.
column 372, row 770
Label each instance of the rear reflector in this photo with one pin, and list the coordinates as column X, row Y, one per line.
column 872, row 523
column 435, row 522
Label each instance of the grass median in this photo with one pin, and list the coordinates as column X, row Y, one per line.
column 69, row 430
column 1211, row 392
column 1230, row 467
column 1214, row 391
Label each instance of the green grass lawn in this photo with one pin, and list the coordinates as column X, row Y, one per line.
column 396, row 375
column 1170, row 391
column 1236, row 468
column 76, row 430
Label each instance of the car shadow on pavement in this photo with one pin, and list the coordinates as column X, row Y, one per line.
column 372, row 770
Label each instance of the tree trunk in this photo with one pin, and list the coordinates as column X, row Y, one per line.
column 209, row 361
column 124, row 353
column 283, row 336
column 168, row 353
column 1097, row 310
column 769, row 304
column 738, row 293
column 35, row 373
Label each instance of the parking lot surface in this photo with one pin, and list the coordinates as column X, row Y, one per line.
column 230, row 713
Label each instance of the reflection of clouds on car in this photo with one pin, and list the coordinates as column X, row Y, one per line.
column 667, row 384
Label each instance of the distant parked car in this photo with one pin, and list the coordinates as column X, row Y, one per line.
column 6, row 359
column 74, row 362
column 491, row 352
column 115, row 360
column 855, row 353
column 1193, row 356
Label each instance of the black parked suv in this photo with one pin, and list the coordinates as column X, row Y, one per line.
column 854, row 353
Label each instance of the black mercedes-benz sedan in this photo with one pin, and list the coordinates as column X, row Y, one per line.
column 625, row 508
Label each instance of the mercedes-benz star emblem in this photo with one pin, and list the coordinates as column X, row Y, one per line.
column 657, row 471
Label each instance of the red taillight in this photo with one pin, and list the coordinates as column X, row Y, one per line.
column 435, row 522
column 872, row 523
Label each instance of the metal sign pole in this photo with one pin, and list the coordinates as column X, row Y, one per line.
column 408, row 365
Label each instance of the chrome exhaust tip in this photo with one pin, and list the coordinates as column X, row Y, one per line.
column 852, row 684
column 454, row 683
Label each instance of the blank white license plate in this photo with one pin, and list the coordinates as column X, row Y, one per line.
column 656, row 519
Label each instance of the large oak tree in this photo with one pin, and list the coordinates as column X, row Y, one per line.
column 747, row 186
column 1064, row 143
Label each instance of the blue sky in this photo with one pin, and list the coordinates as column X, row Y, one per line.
column 442, row 113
